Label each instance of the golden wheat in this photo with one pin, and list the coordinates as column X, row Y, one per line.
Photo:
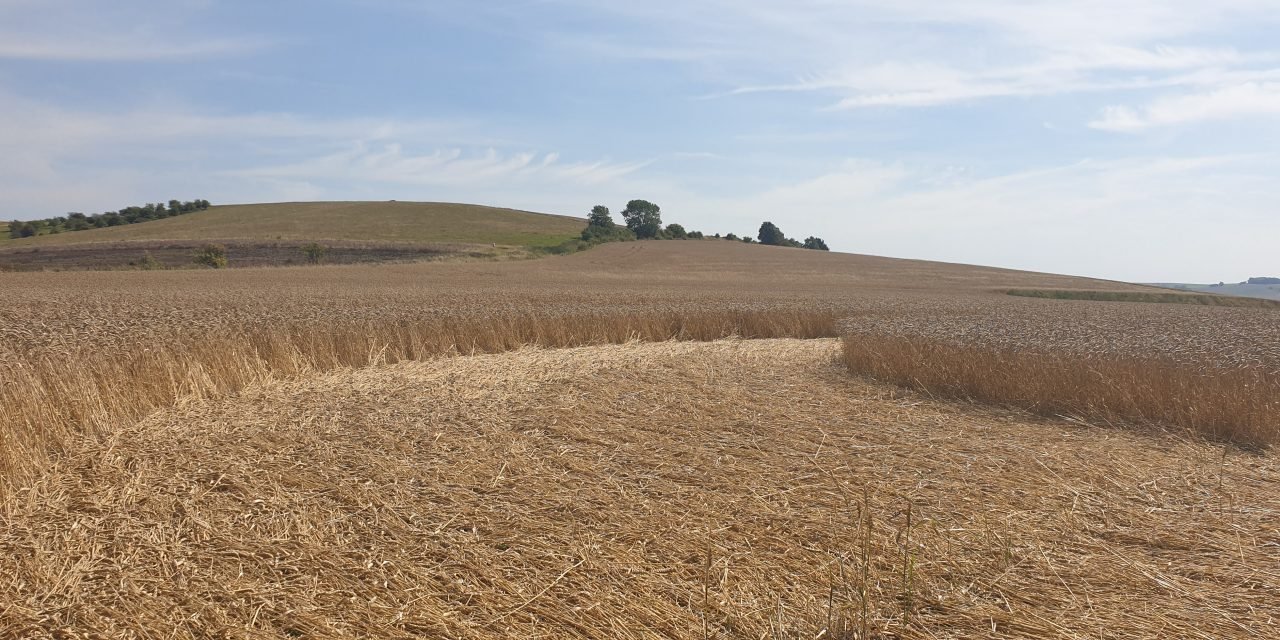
column 737, row 489
column 53, row 399
column 1233, row 404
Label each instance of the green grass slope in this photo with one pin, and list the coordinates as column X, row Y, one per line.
column 411, row 222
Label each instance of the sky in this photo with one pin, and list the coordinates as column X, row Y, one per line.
column 1135, row 140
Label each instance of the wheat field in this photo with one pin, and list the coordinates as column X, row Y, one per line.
column 734, row 489
column 676, row 439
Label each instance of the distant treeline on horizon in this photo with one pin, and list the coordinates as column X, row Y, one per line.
column 83, row 222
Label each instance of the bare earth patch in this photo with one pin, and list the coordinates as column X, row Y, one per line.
column 690, row 490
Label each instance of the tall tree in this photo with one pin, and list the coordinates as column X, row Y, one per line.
column 643, row 218
column 600, row 217
column 771, row 234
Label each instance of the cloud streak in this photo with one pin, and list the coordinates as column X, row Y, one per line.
column 1247, row 100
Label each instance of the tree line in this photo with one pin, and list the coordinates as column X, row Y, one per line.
column 82, row 222
column 642, row 220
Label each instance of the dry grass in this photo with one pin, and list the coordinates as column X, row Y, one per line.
column 84, row 354
column 677, row 490
column 1235, row 404
column 54, row 399
column 1196, row 370
column 206, row 454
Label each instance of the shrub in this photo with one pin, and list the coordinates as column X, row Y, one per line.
column 595, row 234
column 149, row 262
column 676, row 232
column 212, row 255
column 314, row 252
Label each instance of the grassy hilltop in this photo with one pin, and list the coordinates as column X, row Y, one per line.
column 421, row 222
column 272, row 234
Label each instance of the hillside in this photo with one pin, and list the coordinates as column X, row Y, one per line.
column 416, row 222
column 274, row 234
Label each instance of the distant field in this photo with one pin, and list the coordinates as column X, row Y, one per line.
column 1266, row 291
column 1146, row 296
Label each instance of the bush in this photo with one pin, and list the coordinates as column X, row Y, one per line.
column 814, row 242
column 572, row 245
column 149, row 262
column 729, row 236
column 212, row 255
column 596, row 234
column 314, row 252
column 676, row 232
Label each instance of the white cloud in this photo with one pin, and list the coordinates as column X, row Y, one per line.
column 453, row 167
column 269, row 156
column 1250, row 99
column 923, row 53
column 1145, row 219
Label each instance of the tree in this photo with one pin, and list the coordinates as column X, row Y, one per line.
column 771, row 234
column 600, row 217
column 600, row 228
column 676, row 231
column 730, row 236
column 643, row 218
column 814, row 242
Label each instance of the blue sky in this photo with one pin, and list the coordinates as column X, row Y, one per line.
column 1136, row 141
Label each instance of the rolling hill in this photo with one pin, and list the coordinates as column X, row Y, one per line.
column 416, row 222
column 271, row 234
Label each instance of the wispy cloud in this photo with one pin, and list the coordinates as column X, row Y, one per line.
column 1123, row 213
column 920, row 53
column 1251, row 99
column 390, row 163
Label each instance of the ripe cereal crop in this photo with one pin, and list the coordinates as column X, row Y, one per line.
column 571, row 447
